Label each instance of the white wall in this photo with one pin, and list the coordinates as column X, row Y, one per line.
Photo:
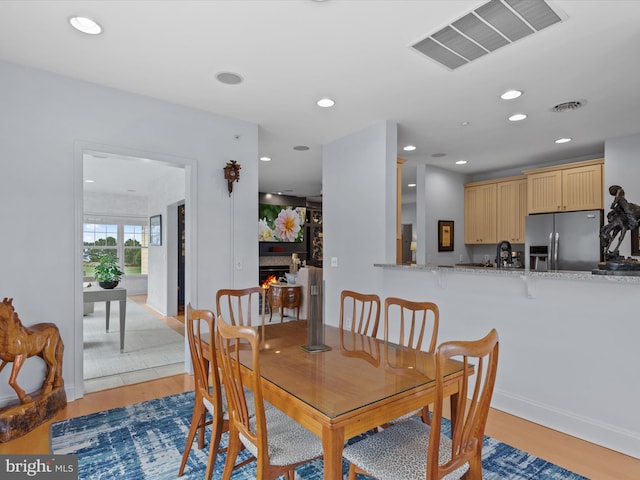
column 168, row 190
column 439, row 196
column 568, row 357
column 356, row 221
column 46, row 122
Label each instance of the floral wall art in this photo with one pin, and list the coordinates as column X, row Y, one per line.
column 281, row 223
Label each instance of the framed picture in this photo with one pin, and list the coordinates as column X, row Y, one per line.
column 155, row 230
column 445, row 235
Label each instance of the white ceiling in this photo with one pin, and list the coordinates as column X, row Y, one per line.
column 358, row 52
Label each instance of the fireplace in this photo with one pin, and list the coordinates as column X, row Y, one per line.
column 277, row 271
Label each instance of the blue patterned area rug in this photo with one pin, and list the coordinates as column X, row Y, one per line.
column 145, row 441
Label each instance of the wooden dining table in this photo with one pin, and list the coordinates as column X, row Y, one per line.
column 357, row 385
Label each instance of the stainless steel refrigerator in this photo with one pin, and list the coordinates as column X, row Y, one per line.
column 563, row 241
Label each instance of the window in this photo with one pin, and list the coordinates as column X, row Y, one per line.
column 134, row 240
column 128, row 243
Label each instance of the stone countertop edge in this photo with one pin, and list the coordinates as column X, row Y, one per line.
column 560, row 274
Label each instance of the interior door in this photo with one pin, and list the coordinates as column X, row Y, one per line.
column 181, row 258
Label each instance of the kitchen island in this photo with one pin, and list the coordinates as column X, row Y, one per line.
column 568, row 341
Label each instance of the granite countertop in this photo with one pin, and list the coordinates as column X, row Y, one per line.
column 520, row 272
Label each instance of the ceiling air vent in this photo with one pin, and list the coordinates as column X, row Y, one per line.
column 493, row 25
column 567, row 106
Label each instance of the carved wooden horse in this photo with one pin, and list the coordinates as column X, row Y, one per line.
column 17, row 343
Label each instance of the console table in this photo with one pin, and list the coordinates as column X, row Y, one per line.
column 283, row 295
column 95, row 293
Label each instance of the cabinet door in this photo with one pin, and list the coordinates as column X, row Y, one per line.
column 511, row 210
column 544, row 192
column 582, row 188
column 480, row 214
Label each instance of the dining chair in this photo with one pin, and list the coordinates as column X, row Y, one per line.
column 278, row 443
column 238, row 305
column 359, row 312
column 359, row 320
column 417, row 324
column 209, row 393
column 399, row 452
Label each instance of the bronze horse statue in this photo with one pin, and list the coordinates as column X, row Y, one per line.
column 17, row 343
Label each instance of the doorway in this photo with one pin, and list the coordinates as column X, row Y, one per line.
column 120, row 191
column 181, row 260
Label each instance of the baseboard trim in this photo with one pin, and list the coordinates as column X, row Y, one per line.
column 589, row 429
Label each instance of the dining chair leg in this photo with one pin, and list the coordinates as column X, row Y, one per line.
column 352, row 472
column 233, row 449
column 214, row 446
column 197, row 425
column 475, row 466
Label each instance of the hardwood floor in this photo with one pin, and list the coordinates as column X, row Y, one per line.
column 585, row 458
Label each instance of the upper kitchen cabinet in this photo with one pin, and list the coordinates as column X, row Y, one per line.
column 511, row 209
column 569, row 187
column 480, row 213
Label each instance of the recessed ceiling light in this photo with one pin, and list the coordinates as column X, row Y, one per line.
column 325, row 102
column 89, row 181
column 563, row 140
column 229, row 78
column 411, row 184
column 265, row 159
column 517, row 117
column 409, row 148
column 465, row 124
column 461, row 162
column 85, row 25
column 301, row 148
column 511, row 94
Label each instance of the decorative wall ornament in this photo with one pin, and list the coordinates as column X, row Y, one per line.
column 232, row 174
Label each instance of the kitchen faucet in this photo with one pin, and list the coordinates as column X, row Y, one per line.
column 499, row 250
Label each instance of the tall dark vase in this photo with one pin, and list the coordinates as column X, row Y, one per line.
column 109, row 285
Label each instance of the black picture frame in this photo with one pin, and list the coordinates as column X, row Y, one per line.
column 445, row 235
column 155, row 230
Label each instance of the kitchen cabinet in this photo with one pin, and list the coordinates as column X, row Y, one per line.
column 480, row 213
column 569, row 187
column 511, row 209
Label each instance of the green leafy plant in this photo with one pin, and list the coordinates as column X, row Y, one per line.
column 108, row 270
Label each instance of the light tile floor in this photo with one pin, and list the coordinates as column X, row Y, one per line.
column 137, row 376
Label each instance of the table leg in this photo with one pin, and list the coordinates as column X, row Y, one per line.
column 332, row 445
column 123, row 310
column 108, row 310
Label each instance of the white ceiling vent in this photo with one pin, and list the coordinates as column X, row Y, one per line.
column 487, row 28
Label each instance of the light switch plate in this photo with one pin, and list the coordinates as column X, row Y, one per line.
column 334, row 261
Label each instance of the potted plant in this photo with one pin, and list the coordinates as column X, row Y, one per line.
column 107, row 272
